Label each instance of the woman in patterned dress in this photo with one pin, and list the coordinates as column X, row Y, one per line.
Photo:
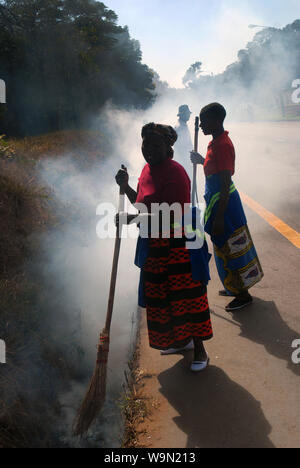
column 236, row 258
column 176, row 302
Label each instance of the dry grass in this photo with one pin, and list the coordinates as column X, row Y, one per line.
column 96, row 393
column 136, row 406
column 29, row 404
column 85, row 146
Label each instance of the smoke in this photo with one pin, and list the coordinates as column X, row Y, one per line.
column 254, row 116
column 257, row 84
column 78, row 269
column 79, row 263
column 226, row 39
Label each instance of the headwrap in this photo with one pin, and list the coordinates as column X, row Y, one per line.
column 166, row 131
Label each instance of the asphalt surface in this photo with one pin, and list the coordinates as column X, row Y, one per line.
column 249, row 395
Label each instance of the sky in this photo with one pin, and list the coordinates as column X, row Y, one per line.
column 176, row 33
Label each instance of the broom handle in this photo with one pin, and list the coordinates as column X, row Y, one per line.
column 194, row 188
column 113, row 279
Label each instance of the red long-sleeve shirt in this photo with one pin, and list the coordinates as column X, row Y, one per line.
column 220, row 156
column 166, row 183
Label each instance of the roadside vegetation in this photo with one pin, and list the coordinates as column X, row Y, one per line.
column 38, row 366
column 136, row 406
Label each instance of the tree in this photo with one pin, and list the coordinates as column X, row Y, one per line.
column 62, row 60
column 193, row 74
column 264, row 70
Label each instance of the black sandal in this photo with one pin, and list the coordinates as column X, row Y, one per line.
column 239, row 303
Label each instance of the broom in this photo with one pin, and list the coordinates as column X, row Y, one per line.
column 194, row 187
column 95, row 396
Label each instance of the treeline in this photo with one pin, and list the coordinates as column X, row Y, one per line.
column 62, row 60
column 261, row 76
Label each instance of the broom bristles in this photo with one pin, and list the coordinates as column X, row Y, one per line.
column 95, row 396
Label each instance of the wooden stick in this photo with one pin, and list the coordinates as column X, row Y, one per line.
column 113, row 279
column 194, row 187
column 95, row 395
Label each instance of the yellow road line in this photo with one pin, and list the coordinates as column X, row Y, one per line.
column 289, row 233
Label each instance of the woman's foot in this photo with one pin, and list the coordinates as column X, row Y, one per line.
column 199, row 366
column 201, row 358
column 239, row 302
column 199, row 350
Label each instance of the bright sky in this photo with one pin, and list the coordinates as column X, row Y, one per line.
column 176, row 33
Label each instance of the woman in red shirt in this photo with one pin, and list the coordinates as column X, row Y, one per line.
column 236, row 258
column 176, row 303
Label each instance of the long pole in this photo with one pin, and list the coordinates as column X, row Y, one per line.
column 114, row 266
column 95, row 396
column 194, row 187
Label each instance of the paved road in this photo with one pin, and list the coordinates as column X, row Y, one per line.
column 249, row 396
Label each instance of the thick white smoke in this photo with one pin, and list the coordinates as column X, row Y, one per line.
column 81, row 263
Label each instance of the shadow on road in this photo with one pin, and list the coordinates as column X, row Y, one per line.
column 213, row 410
column 263, row 324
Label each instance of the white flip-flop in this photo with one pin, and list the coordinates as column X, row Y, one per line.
column 188, row 347
column 199, row 366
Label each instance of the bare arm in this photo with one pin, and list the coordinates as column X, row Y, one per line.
column 131, row 194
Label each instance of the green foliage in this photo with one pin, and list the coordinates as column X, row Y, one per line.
column 192, row 74
column 261, row 76
column 62, row 60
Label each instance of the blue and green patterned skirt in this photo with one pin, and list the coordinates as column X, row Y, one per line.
column 236, row 258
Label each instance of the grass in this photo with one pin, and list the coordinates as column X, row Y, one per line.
column 135, row 405
column 39, row 366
